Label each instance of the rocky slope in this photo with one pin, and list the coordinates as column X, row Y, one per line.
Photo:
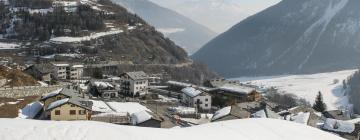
column 182, row 30
column 291, row 37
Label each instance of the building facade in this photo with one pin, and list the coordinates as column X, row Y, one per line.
column 134, row 83
column 192, row 97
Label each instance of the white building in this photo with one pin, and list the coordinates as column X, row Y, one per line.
column 134, row 83
column 66, row 71
column 192, row 97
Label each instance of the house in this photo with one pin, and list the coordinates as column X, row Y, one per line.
column 238, row 92
column 337, row 114
column 134, row 83
column 302, row 115
column 41, row 72
column 146, row 119
column 76, row 72
column 192, row 97
column 103, row 89
column 344, row 129
column 230, row 113
column 58, row 94
column 69, row 109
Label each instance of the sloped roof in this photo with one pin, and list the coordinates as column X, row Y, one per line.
column 192, row 92
column 76, row 101
column 63, row 91
column 236, row 88
column 138, row 75
column 143, row 116
column 230, row 110
column 43, row 68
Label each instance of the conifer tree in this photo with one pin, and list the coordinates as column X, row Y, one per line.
column 319, row 104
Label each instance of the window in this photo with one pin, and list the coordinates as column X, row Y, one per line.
column 206, row 105
column 72, row 112
column 58, row 98
column 206, row 99
column 82, row 112
column 57, row 112
column 72, row 105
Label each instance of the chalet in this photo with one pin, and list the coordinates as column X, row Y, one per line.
column 41, row 72
column 301, row 114
column 230, row 113
column 69, row 109
column 134, row 83
column 103, row 89
column 192, row 97
column 337, row 114
column 344, row 129
column 58, row 94
column 238, row 92
column 146, row 119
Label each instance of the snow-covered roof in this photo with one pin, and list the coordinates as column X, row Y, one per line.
column 140, row 117
column 338, row 126
column 301, row 118
column 181, row 84
column 221, row 113
column 61, row 64
column 190, row 91
column 77, row 66
column 57, row 103
column 259, row 114
column 128, row 107
column 51, row 94
column 236, row 88
column 30, row 110
column 183, row 110
column 242, row 129
column 103, row 84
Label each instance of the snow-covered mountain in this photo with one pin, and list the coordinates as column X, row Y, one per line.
column 244, row 129
column 224, row 13
column 294, row 36
column 182, row 30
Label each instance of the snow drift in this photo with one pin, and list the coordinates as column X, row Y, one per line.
column 246, row 129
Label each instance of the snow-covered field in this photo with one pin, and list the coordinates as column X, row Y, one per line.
column 245, row 129
column 308, row 86
column 66, row 39
column 8, row 46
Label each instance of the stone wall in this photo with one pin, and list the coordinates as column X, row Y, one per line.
column 18, row 92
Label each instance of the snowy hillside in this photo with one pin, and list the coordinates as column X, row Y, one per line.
column 308, row 86
column 269, row 129
column 294, row 36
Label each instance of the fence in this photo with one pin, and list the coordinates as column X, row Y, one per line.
column 18, row 92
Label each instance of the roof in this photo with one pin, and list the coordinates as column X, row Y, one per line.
column 192, row 92
column 77, row 66
column 76, row 101
column 143, row 116
column 265, row 113
column 230, row 110
column 336, row 114
column 338, row 126
column 43, row 68
column 236, row 88
column 138, row 75
column 60, row 64
column 181, row 84
column 62, row 91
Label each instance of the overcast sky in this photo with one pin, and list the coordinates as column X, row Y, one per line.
column 218, row 15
